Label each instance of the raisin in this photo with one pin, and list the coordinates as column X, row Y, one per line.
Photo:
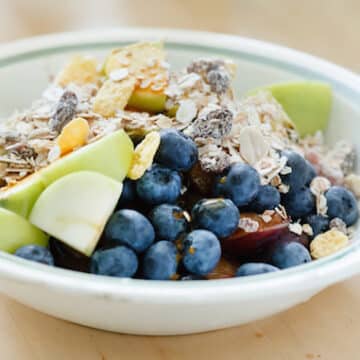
column 203, row 66
column 219, row 80
column 65, row 111
column 216, row 124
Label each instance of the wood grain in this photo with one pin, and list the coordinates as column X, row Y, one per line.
column 328, row 326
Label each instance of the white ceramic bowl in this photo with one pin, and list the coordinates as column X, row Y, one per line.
column 159, row 307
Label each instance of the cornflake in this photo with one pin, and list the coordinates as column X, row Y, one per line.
column 119, row 74
column 144, row 155
column 328, row 243
column 352, row 182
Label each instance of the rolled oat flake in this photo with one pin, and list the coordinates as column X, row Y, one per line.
column 65, row 111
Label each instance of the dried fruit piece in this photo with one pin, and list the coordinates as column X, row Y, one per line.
column 65, row 111
column 338, row 224
column 203, row 66
column 144, row 155
column 219, row 80
column 225, row 269
column 113, row 96
column 73, row 135
column 215, row 124
column 328, row 243
column 253, row 146
column 80, row 70
column 244, row 244
column 202, row 181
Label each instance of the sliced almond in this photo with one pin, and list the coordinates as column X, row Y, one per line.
column 253, row 146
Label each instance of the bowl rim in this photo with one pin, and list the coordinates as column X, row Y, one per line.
column 315, row 275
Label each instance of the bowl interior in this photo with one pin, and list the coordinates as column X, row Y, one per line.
column 23, row 77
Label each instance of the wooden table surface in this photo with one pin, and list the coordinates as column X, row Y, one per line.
column 326, row 327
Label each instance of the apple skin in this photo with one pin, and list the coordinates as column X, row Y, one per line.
column 308, row 103
column 147, row 100
column 17, row 232
column 110, row 156
column 21, row 197
column 75, row 209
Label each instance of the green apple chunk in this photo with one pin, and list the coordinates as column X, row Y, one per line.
column 76, row 208
column 21, row 197
column 110, row 156
column 147, row 100
column 308, row 103
column 17, row 231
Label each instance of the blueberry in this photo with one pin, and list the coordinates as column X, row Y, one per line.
column 128, row 194
column 176, row 151
column 268, row 198
column 219, row 216
column 159, row 185
column 169, row 221
column 290, row 254
column 160, row 261
column 241, row 184
column 299, row 203
column 342, row 204
column 255, row 269
column 311, row 173
column 302, row 172
column 129, row 227
column 35, row 253
column 202, row 252
column 318, row 223
column 119, row 261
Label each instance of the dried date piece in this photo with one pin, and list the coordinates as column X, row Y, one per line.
column 201, row 180
column 65, row 111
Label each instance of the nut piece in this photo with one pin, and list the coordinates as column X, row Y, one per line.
column 144, row 155
column 253, row 146
column 113, row 96
column 328, row 243
column 73, row 135
column 80, row 70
